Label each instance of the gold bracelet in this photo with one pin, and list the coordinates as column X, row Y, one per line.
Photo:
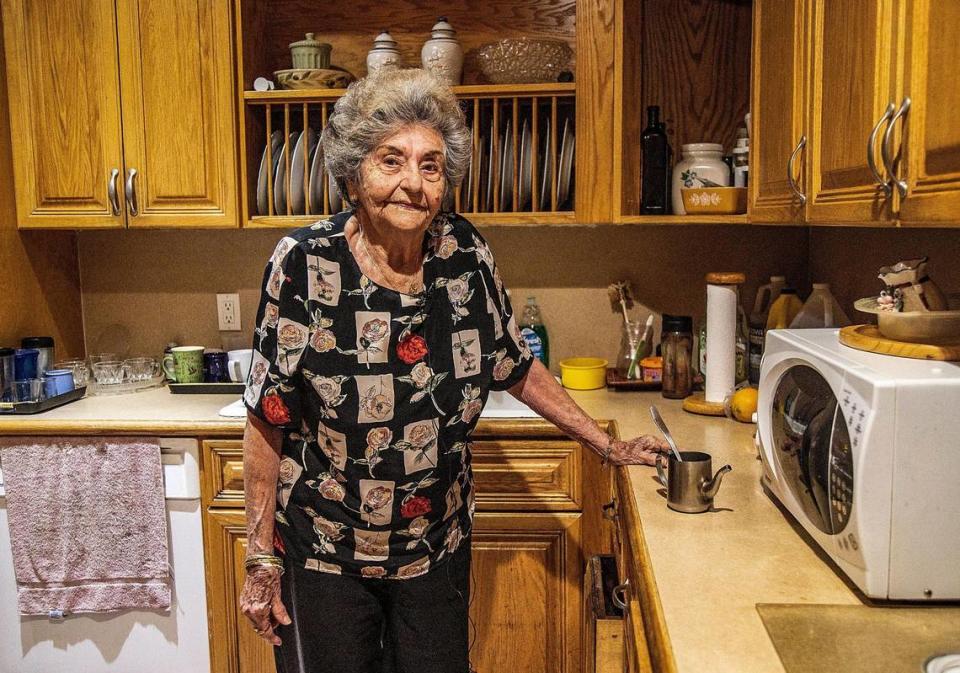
column 263, row 560
column 606, row 454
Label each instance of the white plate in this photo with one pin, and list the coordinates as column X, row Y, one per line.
column 316, row 181
column 546, row 168
column 526, row 166
column 262, row 196
column 466, row 187
column 280, row 179
column 566, row 165
column 488, row 200
column 506, row 170
column 298, row 203
column 336, row 203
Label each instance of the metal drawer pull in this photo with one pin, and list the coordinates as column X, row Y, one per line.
column 610, row 511
column 885, row 152
column 615, row 595
column 112, row 195
column 801, row 197
column 131, row 192
column 872, row 150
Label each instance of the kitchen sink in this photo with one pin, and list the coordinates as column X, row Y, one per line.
column 501, row 404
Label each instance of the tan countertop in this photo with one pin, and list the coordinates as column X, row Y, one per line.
column 710, row 569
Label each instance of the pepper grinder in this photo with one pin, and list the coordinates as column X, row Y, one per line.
column 722, row 294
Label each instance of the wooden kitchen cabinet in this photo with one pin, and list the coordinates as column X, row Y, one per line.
column 852, row 91
column 931, row 149
column 76, row 67
column 63, row 78
column 778, row 140
column 538, row 518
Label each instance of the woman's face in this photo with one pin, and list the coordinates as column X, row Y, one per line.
column 402, row 179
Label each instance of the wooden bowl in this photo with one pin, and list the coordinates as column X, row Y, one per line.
column 714, row 200
column 313, row 78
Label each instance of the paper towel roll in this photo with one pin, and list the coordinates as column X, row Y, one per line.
column 721, row 341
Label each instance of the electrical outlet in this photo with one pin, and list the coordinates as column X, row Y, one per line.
column 228, row 312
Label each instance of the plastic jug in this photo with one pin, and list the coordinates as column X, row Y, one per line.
column 820, row 310
column 784, row 309
column 767, row 294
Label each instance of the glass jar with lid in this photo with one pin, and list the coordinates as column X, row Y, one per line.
column 702, row 165
column 676, row 342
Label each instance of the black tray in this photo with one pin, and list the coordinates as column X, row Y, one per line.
column 207, row 388
column 21, row 408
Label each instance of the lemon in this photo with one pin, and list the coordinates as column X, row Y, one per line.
column 743, row 404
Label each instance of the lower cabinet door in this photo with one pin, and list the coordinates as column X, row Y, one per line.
column 526, row 595
column 234, row 647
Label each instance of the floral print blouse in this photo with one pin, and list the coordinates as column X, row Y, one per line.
column 378, row 393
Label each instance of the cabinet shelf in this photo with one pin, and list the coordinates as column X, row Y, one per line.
column 463, row 91
column 685, row 219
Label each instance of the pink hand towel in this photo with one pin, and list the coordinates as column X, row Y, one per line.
column 88, row 526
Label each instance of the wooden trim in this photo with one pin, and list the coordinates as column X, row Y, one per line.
column 645, row 586
column 501, row 219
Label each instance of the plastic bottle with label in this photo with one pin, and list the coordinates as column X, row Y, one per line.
column 766, row 295
column 820, row 310
column 535, row 332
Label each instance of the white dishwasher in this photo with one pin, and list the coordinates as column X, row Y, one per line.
column 132, row 641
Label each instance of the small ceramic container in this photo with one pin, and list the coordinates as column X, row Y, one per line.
column 442, row 54
column 583, row 373
column 310, row 54
column 701, row 166
column 384, row 54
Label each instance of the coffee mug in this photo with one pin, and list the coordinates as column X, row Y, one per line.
column 238, row 364
column 690, row 483
column 184, row 364
column 215, row 367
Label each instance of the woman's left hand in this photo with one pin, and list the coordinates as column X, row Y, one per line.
column 642, row 450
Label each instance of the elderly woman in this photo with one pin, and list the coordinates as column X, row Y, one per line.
column 379, row 335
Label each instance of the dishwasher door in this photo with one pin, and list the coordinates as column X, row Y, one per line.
column 132, row 641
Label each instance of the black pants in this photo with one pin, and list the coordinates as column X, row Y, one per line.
column 353, row 625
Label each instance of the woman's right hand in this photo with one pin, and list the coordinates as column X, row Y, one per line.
column 260, row 602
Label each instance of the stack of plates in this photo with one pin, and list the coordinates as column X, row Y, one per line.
column 303, row 143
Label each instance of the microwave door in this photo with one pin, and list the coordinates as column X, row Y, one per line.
column 817, row 464
column 840, row 476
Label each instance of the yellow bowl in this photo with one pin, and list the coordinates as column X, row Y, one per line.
column 714, row 200
column 583, row 373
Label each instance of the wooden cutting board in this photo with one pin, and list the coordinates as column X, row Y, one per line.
column 868, row 338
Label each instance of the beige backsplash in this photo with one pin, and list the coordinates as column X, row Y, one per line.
column 142, row 289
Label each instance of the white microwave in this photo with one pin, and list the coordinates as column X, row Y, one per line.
column 864, row 451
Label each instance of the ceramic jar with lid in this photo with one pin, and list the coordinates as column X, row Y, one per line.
column 384, row 53
column 310, row 54
column 701, row 166
column 442, row 54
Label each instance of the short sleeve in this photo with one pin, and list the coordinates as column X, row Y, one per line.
column 281, row 335
column 513, row 356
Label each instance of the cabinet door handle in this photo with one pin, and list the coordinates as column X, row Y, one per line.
column 872, row 150
column 610, row 511
column 619, row 594
column 131, row 192
column 801, row 197
column 112, row 195
column 885, row 150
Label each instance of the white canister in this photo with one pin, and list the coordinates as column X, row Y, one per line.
column 384, row 53
column 700, row 166
column 442, row 54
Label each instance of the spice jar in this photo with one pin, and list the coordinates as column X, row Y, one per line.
column 676, row 341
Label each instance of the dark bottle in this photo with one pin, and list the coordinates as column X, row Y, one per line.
column 655, row 166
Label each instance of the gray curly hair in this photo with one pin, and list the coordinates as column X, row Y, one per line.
column 377, row 106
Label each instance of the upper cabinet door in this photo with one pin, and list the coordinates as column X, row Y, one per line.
column 851, row 99
column 179, row 125
column 62, row 84
column 777, row 143
column 931, row 152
